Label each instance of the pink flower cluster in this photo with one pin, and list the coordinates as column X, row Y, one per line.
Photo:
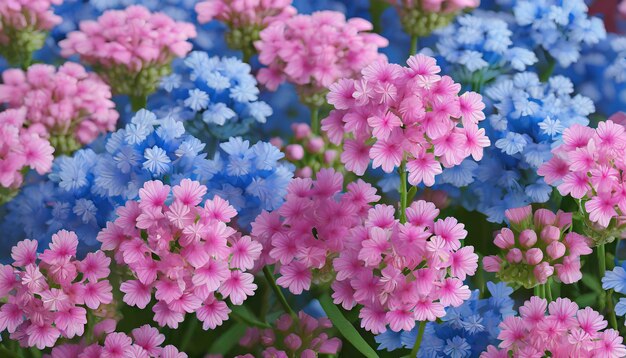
column 23, row 14
column 536, row 246
column 20, row 147
column 307, row 151
column 145, row 342
column 565, row 331
column 410, row 114
column 313, row 51
column 303, row 337
column 69, row 105
column 402, row 273
column 420, row 18
column 129, row 43
column 45, row 296
column 183, row 251
column 589, row 165
column 309, row 229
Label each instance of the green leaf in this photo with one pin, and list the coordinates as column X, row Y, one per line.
column 344, row 326
column 587, row 299
column 243, row 314
column 411, row 194
column 592, row 282
column 4, row 352
column 229, row 339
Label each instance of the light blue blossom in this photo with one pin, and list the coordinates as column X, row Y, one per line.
column 156, row 160
column 615, row 279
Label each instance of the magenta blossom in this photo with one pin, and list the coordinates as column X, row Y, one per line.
column 314, row 51
column 182, row 253
column 46, row 297
column 537, row 247
column 68, row 105
column 406, row 115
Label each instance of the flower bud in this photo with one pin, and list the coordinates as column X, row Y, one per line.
column 277, row 142
column 544, row 217
column 315, row 145
column 293, row 342
column 556, row 250
column 301, row 130
column 519, row 215
column 528, row 238
column 492, row 263
column 329, row 156
column 550, row 233
column 305, row 172
column 294, row 152
column 542, row 272
column 504, row 239
column 534, row 256
column 514, row 255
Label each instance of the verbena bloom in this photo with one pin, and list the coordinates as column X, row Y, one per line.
column 478, row 48
column 20, row 148
column 560, row 29
column 526, row 120
column 310, row 152
column 46, row 296
column 397, row 273
column 145, row 342
column 244, row 19
column 464, row 331
column 537, row 247
column 68, row 105
column 182, row 250
column 406, row 115
column 588, row 166
column 563, row 331
column 313, row 51
column 302, row 337
column 421, row 17
column 217, row 98
column 82, row 191
column 308, row 231
column 23, row 28
column 131, row 48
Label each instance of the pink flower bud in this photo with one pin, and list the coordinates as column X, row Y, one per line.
column 514, row 255
column 550, row 233
column 518, row 215
column 284, row 322
column 544, row 217
column 563, row 220
column 556, row 250
column 329, row 156
column 267, row 337
column 504, row 239
column 293, row 342
column 308, row 353
column 315, row 145
column 534, row 256
column 542, row 272
column 301, row 130
column 294, row 152
column 305, row 172
column 528, row 238
column 277, row 142
column 492, row 263
column 331, row 346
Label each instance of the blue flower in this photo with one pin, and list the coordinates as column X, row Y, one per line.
column 389, row 340
column 615, row 279
column 156, row 161
column 457, row 347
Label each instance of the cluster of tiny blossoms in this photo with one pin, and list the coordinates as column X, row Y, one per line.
column 589, row 166
column 409, row 114
column 20, row 147
column 402, row 273
column 183, row 251
column 421, row 17
column 69, row 105
column 314, row 51
column 536, row 246
column 23, row 27
column 245, row 19
column 307, row 151
column 302, row 337
column 131, row 48
column 566, row 331
column 308, row 231
column 45, row 295
column 144, row 342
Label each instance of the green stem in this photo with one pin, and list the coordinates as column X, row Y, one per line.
column 279, row 294
column 414, row 41
column 138, row 102
column 610, row 310
column 547, row 72
column 403, row 191
column 418, row 340
column 247, row 321
column 549, row 290
column 315, row 121
column 602, row 259
column 191, row 328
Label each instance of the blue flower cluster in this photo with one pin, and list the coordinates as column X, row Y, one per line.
column 527, row 122
column 560, row 28
column 477, row 48
column 616, row 280
column 82, row 191
column 216, row 97
column 465, row 331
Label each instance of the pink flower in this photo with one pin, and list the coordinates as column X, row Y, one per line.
column 610, row 344
column 601, row 209
column 296, row 276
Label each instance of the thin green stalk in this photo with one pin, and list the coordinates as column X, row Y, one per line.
column 414, row 41
column 191, row 328
column 279, row 294
column 138, row 102
column 315, row 121
column 403, row 191
column 610, row 310
column 549, row 289
column 247, row 321
column 418, row 340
